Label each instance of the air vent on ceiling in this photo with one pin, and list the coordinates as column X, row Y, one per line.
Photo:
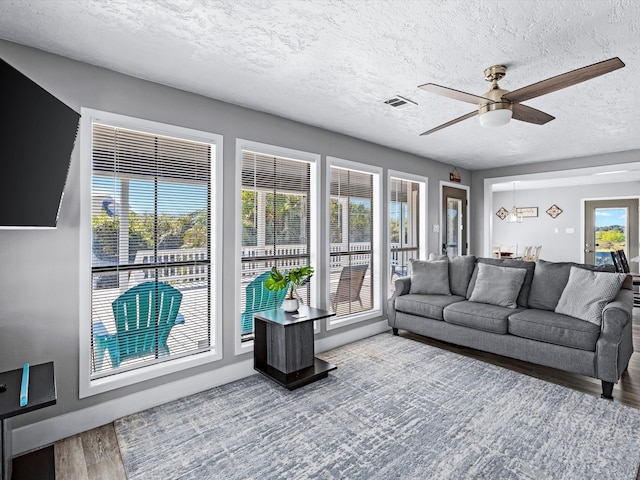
column 400, row 102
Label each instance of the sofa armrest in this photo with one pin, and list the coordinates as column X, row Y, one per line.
column 403, row 284
column 615, row 345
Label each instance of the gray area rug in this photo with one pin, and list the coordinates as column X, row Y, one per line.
column 394, row 408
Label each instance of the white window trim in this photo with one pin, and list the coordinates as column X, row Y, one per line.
column 89, row 387
column 379, row 245
column 315, row 161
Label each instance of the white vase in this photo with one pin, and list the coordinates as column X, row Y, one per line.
column 290, row 305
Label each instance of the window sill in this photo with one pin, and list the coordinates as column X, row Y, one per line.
column 333, row 322
column 106, row 384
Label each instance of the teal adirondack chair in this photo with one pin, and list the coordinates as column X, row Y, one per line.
column 140, row 329
column 259, row 299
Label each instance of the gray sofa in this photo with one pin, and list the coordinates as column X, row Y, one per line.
column 574, row 317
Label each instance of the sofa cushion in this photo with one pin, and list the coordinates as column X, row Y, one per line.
column 430, row 306
column 429, row 278
column 460, row 271
column 511, row 263
column 555, row 328
column 498, row 285
column 481, row 316
column 587, row 292
column 550, row 279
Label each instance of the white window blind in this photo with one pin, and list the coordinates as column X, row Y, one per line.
column 351, row 209
column 151, row 268
column 275, row 226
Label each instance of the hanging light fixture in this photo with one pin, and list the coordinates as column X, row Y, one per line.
column 514, row 216
column 499, row 111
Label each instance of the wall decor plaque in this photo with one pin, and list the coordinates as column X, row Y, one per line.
column 554, row 211
column 527, row 212
column 502, row 213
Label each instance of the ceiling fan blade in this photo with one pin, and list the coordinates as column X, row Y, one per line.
column 530, row 115
column 448, row 124
column 565, row 80
column 455, row 94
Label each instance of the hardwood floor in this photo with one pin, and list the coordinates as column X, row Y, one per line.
column 94, row 455
column 91, row 455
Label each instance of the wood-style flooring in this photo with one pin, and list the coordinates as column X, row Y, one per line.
column 91, row 455
column 95, row 455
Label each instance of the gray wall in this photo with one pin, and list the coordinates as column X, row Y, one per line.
column 570, row 218
column 39, row 303
column 563, row 245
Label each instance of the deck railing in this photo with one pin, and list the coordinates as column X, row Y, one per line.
column 168, row 273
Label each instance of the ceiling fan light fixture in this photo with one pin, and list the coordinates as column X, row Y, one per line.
column 495, row 118
column 495, row 114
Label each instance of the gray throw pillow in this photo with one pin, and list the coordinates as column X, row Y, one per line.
column 588, row 292
column 429, row 278
column 460, row 271
column 523, row 296
column 550, row 280
column 498, row 285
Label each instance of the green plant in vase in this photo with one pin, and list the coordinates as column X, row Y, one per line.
column 291, row 279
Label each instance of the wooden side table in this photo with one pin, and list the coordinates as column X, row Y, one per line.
column 42, row 393
column 283, row 348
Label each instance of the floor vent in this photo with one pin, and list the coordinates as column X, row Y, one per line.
column 400, row 102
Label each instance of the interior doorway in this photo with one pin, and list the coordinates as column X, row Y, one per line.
column 610, row 225
column 454, row 220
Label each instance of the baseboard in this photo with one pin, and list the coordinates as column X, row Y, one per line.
column 46, row 432
column 350, row 336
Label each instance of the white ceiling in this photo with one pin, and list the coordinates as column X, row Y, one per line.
column 332, row 63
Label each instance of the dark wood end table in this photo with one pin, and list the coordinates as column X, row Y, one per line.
column 283, row 348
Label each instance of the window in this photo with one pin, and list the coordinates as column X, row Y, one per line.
column 407, row 207
column 153, row 263
column 354, row 241
column 276, row 207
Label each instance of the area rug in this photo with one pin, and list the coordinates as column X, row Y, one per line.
column 394, row 408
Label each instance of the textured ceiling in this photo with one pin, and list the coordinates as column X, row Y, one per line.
column 332, row 63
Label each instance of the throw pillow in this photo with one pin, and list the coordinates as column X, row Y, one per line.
column 523, row 296
column 498, row 285
column 429, row 278
column 549, row 280
column 460, row 271
column 588, row 292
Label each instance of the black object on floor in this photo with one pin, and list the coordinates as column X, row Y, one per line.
column 36, row 465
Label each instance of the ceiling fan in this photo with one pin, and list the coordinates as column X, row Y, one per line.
column 497, row 106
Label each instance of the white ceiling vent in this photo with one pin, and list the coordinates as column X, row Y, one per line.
column 400, row 102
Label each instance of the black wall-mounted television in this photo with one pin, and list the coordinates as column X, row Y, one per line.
column 37, row 136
